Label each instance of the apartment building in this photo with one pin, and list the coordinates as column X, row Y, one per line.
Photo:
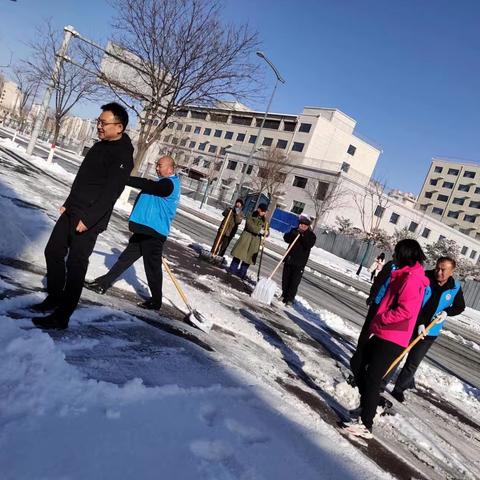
column 451, row 194
column 10, row 98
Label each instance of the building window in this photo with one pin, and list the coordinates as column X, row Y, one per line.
column 441, row 238
column 458, row 201
column 202, row 146
column 289, row 126
column 298, row 147
column 236, row 120
column 423, row 207
column 453, row 171
column 474, row 204
column 452, row 214
column 206, row 163
column 218, row 117
column 229, row 135
column 240, row 137
column 351, row 150
column 394, row 218
column 442, row 198
column 174, row 141
column 345, row 167
column 463, row 188
column 249, row 169
column 252, row 139
column 267, row 141
column 170, row 125
column 477, row 190
column 426, row 232
column 469, row 174
column 188, row 128
column 196, row 161
column 192, row 144
column 297, row 207
column 464, row 250
column 299, row 182
column 271, row 124
column 438, row 170
column 322, row 190
column 447, row 185
column 207, row 131
column 179, row 126
column 437, row 211
column 218, row 133
column 413, row 227
column 473, row 254
column 433, row 181
column 212, row 148
column 428, row 194
column 199, row 115
column 470, row 218
column 379, row 211
column 232, row 165
column 305, row 127
column 197, row 130
column 282, row 144
column 183, row 142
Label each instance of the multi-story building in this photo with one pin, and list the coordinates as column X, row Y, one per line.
column 10, row 98
column 451, row 193
column 318, row 147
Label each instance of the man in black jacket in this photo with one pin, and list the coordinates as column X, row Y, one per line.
column 297, row 258
column 86, row 212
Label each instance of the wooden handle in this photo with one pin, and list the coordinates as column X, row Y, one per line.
column 217, row 244
column 283, row 258
column 414, row 342
column 177, row 285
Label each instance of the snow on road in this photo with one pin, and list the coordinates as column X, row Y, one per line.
column 118, row 396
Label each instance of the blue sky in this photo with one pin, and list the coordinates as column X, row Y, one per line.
column 408, row 71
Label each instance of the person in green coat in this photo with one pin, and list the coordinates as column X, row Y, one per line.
column 247, row 246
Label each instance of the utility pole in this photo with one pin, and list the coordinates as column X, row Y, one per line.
column 69, row 32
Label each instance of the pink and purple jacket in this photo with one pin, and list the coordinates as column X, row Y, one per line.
column 399, row 308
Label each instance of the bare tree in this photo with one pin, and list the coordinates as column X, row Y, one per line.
column 325, row 197
column 73, row 83
column 28, row 86
column 181, row 54
column 371, row 203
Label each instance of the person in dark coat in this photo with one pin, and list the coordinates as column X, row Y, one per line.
column 150, row 222
column 233, row 217
column 295, row 261
column 247, row 246
column 443, row 298
column 85, row 213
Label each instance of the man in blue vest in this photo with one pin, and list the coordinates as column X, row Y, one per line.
column 442, row 299
column 150, row 223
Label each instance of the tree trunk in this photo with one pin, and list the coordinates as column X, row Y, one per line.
column 56, row 133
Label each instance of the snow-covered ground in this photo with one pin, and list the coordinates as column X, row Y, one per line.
column 119, row 395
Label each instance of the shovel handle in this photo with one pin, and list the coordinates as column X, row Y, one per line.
column 177, row 285
column 217, row 243
column 283, row 258
column 412, row 344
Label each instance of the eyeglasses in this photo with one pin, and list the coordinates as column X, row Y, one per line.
column 103, row 123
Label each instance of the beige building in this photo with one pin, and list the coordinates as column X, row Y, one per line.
column 10, row 98
column 451, row 194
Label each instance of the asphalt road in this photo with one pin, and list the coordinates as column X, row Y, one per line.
column 320, row 291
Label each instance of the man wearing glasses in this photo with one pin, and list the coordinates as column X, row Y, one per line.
column 85, row 213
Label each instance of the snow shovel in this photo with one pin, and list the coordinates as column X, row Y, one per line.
column 194, row 317
column 262, row 248
column 412, row 344
column 212, row 255
column 265, row 288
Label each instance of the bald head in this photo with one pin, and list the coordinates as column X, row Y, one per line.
column 165, row 166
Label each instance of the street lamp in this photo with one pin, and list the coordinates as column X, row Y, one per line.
column 224, row 163
column 280, row 79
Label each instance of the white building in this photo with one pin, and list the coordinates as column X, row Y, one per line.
column 10, row 98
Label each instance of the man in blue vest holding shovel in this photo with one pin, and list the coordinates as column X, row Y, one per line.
column 150, row 221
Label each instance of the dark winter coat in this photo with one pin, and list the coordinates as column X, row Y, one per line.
column 99, row 182
column 300, row 252
column 232, row 222
column 248, row 245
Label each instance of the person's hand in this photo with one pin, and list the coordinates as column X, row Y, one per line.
column 81, row 227
column 262, row 231
column 62, row 210
column 421, row 330
column 441, row 317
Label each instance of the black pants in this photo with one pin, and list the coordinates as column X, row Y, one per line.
column 377, row 357
column 148, row 247
column 66, row 254
column 224, row 243
column 291, row 278
column 356, row 360
column 406, row 379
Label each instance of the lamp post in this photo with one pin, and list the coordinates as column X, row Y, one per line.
column 224, row 164
column 280, row 79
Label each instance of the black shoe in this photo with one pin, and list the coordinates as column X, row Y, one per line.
column 398, row 395
column 96, row 287
column 149, row 305
column 54, row 321
column 351, row 381
column 384, row 403
column 50, row 303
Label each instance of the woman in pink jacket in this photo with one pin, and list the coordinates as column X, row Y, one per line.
column 391, row 329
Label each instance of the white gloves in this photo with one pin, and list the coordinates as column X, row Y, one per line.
column 441, row 317
column 421, row 330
